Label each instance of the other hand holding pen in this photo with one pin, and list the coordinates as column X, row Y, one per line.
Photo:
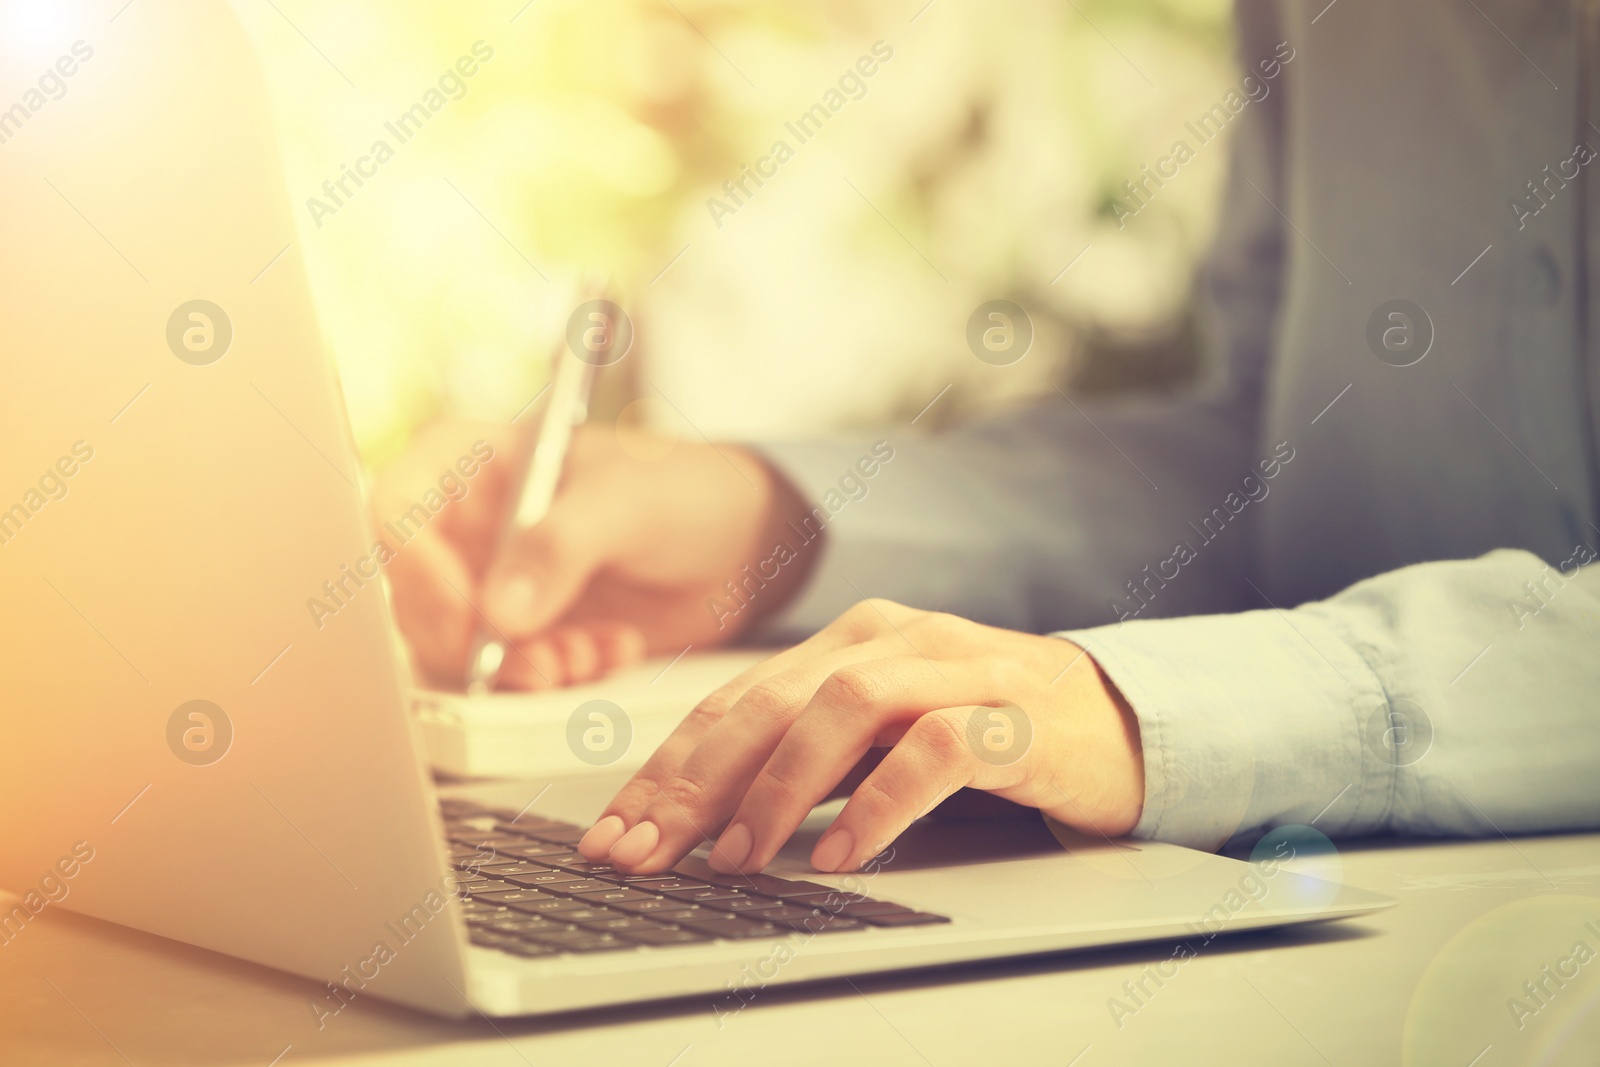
column 641, row 536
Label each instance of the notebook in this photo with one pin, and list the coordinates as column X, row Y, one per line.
column 614, row 722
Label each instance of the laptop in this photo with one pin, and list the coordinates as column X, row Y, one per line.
column 189, row 753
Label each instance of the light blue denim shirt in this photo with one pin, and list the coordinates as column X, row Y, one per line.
column 1344, row 583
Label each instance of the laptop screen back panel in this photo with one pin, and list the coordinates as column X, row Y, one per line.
column 188, row 747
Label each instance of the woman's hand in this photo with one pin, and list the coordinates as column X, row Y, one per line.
column 643, row 538
column 1028, row 718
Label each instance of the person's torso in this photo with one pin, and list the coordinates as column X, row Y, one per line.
column 1433, row 372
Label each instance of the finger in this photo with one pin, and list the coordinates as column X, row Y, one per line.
column 694, row 802
column 569, row 655
column 530, row 665
column 932, row 761
column 852, row 707
column 629, row 804
column 575, row 647
column 621, row 644
column 430, row 588
column 544, row 569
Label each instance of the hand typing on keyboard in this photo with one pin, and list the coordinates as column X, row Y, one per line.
column 1028, row 718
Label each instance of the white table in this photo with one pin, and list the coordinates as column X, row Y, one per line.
column 1485, row 914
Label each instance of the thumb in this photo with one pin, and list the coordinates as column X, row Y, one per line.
column 539, row 576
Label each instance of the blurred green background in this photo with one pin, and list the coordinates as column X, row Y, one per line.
column 980, row 162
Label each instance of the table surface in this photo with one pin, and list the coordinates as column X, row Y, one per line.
column 1434, row 980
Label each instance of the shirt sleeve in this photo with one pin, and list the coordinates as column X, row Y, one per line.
column 1450, row 698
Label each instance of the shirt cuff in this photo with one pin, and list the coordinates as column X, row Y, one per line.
column 1247, row 721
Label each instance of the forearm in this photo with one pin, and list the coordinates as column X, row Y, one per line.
column 1058, row 516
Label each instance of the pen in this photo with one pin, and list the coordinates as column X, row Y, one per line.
column 536, row 484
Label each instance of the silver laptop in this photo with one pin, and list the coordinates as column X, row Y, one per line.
column 188, row 752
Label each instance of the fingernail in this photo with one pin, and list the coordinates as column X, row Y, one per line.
column 512, row 600
column 597, row 843
column 637, row 844
column 730, row 853
column 832, row 851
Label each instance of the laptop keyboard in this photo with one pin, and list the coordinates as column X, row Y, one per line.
column 526, row 890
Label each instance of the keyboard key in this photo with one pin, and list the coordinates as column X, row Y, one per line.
column 507, row 896
column 530, row 825
column 656, row 906
column 621, row 923
column 506, row 870
column 548, row 905
column 542, row 877
column 572, row 861
column 581, row 885
column 460, row 876
column 597, row 942
column 614, row 895
column 770, row 886
column 829, row 901
column 594, row 871
column 514, row 922
column 776, row 912
column 503, row 894
column 571, row 936
column 740, row 904
column 489, row 938
column 867, row 909
column 457, row 806
column 909, row 918
column 657, row 884
column 665, row 936
column 698, row 896
column 528, row 948
column 582, row 916
column 732, row 927
column 565, row 834
column 476, row 907
column 528, row 849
